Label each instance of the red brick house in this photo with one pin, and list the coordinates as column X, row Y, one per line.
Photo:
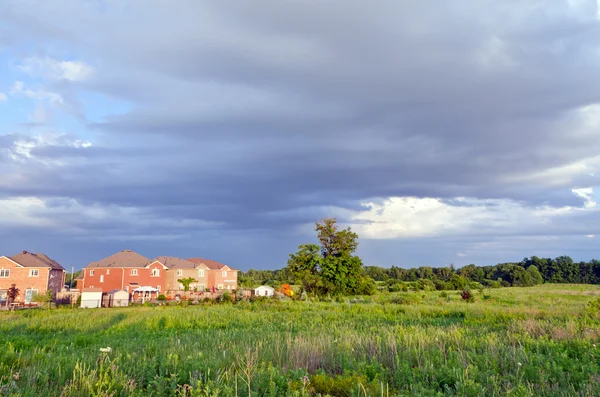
column 220, row 276
column 31, row 273
column 125, row 270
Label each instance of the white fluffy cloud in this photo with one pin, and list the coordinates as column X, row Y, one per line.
column 56, row 70
column 3, row 97
column 406, row 217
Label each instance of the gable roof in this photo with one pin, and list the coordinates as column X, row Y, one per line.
column 125, row 258
column 171, row 262
column 212, row 265
column 29, row 259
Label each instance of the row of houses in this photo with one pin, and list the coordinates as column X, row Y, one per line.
column 128, row 271
column 125, row 271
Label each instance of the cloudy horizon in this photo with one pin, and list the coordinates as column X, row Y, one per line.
column 462, row 132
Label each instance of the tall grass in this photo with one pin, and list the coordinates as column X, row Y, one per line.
column 521, row 341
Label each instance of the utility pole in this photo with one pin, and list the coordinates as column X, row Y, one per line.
column 71, row 282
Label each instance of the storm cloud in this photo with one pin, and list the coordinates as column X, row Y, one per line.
column 458, row 132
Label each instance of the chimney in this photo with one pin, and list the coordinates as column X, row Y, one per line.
column 24, row 251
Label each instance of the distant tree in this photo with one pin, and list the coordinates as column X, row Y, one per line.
column 186, row 282
column 536, row 276
column 330, row 267
column 12, row 293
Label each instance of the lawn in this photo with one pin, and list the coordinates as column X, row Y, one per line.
column 516, row 341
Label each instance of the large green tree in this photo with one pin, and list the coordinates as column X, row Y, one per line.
column 331, row 266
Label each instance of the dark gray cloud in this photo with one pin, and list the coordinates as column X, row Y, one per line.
column 256, row 120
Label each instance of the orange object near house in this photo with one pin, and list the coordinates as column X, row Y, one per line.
column 286, row 289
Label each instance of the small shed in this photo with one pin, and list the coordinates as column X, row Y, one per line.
column 91, row 297
column 264, row 290
column 117, row 298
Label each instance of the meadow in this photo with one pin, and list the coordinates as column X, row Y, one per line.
column 511, row 341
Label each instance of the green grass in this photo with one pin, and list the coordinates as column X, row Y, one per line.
column 519, row 341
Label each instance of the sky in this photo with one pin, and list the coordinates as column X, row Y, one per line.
column 441, row 132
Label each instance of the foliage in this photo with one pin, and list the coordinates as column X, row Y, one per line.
column 286, row 289
column 186, row 282
column 12, row 293
column 467, row 295
column 331, row 267
column 161, row 298
column 524, row 341
column 44, row 298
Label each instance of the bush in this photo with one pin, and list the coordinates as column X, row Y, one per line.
column 226, row 297
column 467, row 295
column 408, row 299
column 161, row 298
column 443, row 294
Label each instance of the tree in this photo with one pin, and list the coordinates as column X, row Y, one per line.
column 12, row 293
column 536, row 276
column 43, row 298
column 186, row 282
column 330, row 267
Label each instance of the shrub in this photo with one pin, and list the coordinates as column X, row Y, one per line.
column 226, row 297
column 443, row 294
column 161, row 298
column 467, row 295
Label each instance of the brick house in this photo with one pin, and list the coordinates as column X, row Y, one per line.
column 125, row 270
column 220, row 276
column 178, row 268
column 31, row 273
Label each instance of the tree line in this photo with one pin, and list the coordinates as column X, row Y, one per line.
column 332, row 268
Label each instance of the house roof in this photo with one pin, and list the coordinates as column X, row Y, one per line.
column 174, row 263
column 29, row 259
column 125, row 258
column 79, row 276
column 212, row 265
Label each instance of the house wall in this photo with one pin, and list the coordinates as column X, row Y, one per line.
column 112, row 278
column 216, row 279
column 120, row 278
column 171, row 283
column 56, row 280
column 261, row 291
column 20, row 277
column 144, row 278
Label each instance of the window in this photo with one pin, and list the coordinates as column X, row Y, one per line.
column 107, row 271
column 29, row 294
column 134, row 272
column 201, row 273
column 220, row 286
column 34, row 272
column 224, row 273
column 229, row 287
column 201, row 287
column 91, row 272
column 127, row 288
column 155, row 273
column 158, row 288
column 5, row 273
column 180, row 272
column 102, row 278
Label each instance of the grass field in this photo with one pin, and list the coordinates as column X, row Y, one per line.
column 519, row 341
